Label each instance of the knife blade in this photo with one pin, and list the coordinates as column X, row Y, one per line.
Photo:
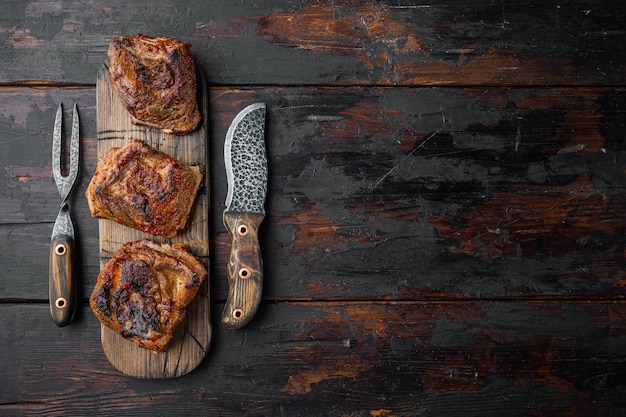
column 246, row 172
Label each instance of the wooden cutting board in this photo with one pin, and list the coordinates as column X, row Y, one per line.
column 193, row 336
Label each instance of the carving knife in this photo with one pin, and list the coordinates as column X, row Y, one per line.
column 246, row 171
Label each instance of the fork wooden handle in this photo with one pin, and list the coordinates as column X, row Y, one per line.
column 62, row 287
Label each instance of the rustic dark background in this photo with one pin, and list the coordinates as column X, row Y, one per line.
column 446, row 212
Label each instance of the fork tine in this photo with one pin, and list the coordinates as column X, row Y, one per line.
column 56, row 145
column 74, row 146
column 65, row 183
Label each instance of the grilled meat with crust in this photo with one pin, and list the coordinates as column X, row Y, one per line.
column 155, row 79
column 143, row 188
column 143, row 292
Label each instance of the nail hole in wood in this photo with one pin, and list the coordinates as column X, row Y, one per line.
column 243, row 230
column 60, row 249
column 60, row 303
column 238, row 314
column 244, row 273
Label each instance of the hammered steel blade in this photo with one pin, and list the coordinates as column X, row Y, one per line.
column 246, row 169
column 246, row 161
column 63, row 224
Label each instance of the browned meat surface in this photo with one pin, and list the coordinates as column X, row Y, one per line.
column 143, row 292
column 155, row 78
column 143, row 188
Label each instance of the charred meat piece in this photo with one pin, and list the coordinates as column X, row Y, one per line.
column 143, row 188
column 143, row 292
column 155, row 79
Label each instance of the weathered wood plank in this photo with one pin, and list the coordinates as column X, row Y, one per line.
column 409, row 193
column 28, row 193
column 373, row 192
column 428, row 251
column 335, row 359
column 340, row 42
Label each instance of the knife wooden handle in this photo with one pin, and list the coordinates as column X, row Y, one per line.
column 245, row 269
column 61, row 283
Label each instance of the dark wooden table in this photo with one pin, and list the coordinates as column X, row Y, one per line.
column 446, row 230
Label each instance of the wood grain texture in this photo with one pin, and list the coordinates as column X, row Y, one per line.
column 192, row 338
column 340, row 42
column 445, row 227
column 62, row 279
column 394, row 193
column 303, row 359
column 460, row 193
column 245, row 268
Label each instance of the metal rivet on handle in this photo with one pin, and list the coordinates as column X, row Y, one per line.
column 238, row 314
column 244, row 273
column 60, row 249
column 60, row 303
column 243, row 230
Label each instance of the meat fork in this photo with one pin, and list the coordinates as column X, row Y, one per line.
column 62, row 285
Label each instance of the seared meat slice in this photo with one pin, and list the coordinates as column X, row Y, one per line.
column 143, row 292
column 143, row 188
column 155, row 79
